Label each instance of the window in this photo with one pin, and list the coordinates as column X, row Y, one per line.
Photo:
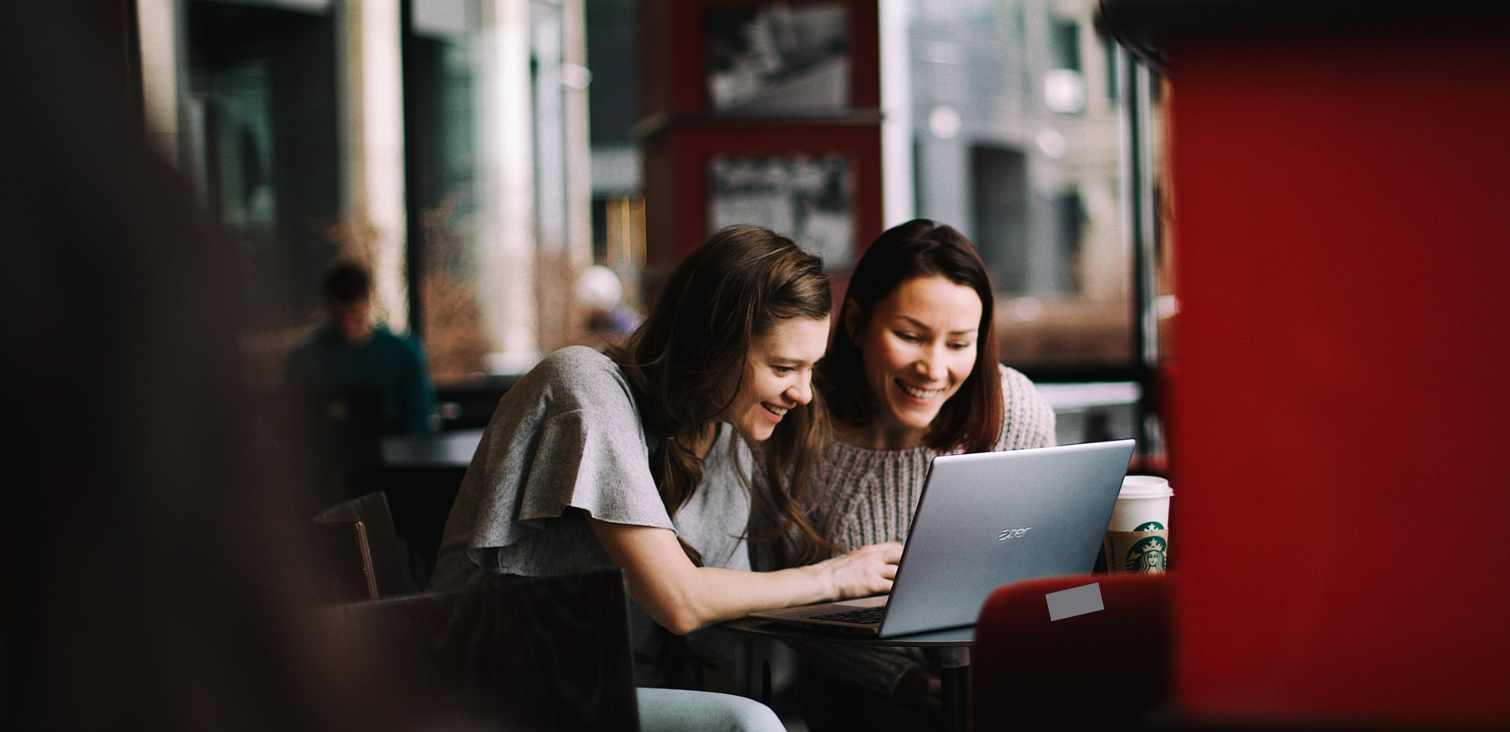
column 1066, row 37
column 260, row 139
column 1029, row 171
column 442, row 154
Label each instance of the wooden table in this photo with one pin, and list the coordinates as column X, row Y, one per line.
column 949, row 648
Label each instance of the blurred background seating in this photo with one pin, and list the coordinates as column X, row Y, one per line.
column 363, row 531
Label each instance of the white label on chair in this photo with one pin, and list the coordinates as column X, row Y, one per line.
column 1082, row 600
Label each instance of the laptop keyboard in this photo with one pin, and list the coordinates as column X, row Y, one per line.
column 863, row 616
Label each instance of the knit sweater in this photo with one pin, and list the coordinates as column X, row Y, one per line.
column 868, row 496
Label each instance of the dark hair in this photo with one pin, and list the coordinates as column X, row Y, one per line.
column 346, row 282
column 687, row 361
column 972, row 418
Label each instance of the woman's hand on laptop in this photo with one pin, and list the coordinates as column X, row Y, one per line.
column 866, row 571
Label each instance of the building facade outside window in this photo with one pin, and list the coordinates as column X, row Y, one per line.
column 1017, row 143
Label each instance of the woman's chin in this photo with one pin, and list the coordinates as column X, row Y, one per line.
column 914, row 419
column 757, row 433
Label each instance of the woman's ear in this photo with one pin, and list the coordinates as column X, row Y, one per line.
column 850, row 320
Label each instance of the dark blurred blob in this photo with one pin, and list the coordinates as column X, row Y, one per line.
column 155, row 535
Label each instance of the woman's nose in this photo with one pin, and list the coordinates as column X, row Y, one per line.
column 802, row 391
column 931, row 365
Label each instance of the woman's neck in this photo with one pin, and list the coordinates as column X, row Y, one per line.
column 703, row 443
column 879, row 436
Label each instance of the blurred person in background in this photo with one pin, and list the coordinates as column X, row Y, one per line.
column 350, row 351
column 601, row 297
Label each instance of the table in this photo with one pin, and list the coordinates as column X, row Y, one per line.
column 949, row 648
column 437, row 450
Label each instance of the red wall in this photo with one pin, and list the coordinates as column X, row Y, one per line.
column 1340, row 403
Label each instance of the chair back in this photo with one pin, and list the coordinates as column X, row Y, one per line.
column 1110, row 666
column 371, row 545
column 515, row 653
column 349, row 562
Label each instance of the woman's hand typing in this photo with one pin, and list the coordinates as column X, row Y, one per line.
column 866, row 571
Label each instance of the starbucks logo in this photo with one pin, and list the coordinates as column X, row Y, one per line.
column 1147, row 554
column 1149, row 526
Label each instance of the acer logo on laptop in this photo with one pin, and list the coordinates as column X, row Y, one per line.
column 1011, row 534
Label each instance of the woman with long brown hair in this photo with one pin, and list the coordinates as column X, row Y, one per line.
column 912, row 373
column 642, row 457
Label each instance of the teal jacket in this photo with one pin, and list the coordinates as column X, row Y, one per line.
column 394, row 365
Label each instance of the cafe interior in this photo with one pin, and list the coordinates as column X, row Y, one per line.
column 1268, row 242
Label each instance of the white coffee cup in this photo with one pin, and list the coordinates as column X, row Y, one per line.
column 1144, row 499
column 1137, row 537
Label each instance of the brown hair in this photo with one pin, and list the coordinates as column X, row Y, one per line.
column 971, row 419
column 687, row 361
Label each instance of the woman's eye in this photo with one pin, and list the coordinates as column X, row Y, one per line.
column 782, row 370
column 959, row 345
column 909, row 337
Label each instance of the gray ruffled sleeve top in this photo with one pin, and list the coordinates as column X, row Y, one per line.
column 569, row 436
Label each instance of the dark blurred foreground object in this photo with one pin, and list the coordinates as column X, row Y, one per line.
column 1151, row 28
column 1110, row 667
column 1338, row 177
column 157, row 529
column 372, row 562
column 508, row 653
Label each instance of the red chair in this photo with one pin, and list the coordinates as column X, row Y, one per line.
column 1106, row 667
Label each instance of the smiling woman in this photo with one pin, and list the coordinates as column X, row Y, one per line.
column 921, row 343
column 778, row 375
column 913, row 373
column 918, row 331
column 643, row 458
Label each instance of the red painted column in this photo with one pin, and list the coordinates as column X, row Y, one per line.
column 1342, row 225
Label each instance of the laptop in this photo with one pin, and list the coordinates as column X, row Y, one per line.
column 984, row 520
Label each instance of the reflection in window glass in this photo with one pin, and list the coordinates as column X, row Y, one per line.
column 1166, row 307
column 1017, row 145
column 440, row 59
column 261, row 125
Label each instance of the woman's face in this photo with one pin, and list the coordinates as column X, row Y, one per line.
column 778, row 375
column 917, row 348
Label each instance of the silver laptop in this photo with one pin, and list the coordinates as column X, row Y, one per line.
column 984, row 520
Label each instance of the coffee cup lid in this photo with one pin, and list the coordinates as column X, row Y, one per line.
column 1145, row 486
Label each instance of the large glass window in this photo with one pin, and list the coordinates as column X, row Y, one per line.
column 1017, row 144
column 618, row 213
column 442, row 157
column 493, row 235
column 424, row 138
column 260, row 139
column 1016, row 120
